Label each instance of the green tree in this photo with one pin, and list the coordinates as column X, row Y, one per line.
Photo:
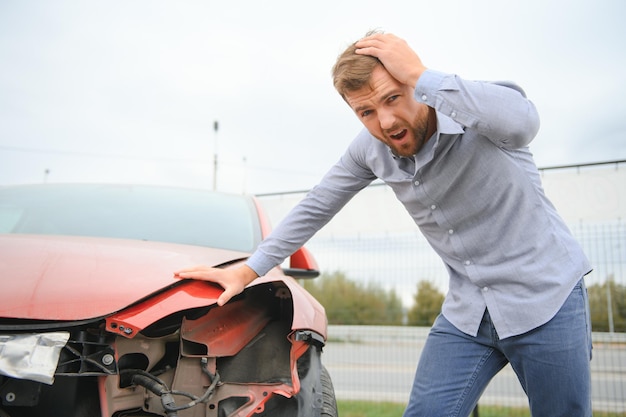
column 348, row 302
column 599, row 294
column 428, row 302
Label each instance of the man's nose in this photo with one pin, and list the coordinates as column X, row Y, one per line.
column 386, row 119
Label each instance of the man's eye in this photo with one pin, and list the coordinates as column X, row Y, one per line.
column 366, row 113
column 393, row 98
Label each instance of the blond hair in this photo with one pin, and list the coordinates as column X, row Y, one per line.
column 352, row 71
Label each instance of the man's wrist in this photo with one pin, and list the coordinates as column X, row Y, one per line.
column 248, row 274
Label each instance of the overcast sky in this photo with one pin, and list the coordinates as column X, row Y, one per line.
column 129, row 91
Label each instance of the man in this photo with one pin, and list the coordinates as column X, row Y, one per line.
column 456, row 155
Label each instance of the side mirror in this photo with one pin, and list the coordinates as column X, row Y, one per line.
column 302, row 265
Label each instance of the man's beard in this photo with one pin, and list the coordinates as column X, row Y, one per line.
column 419, row 131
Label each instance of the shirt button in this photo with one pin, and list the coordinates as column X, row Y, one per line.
column 450, row 231
column 467, row 262
column 424, row 97
column 416, row 182
column 433, row 207
column 453, row 114
column 485, row 289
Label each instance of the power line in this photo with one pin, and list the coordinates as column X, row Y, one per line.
column 153, row 159
column 96, row 155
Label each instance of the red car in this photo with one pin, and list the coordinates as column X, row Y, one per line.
column 93, row 323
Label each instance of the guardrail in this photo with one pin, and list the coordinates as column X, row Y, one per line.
column 390, row 334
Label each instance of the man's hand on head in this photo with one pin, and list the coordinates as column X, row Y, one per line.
column 396, row 56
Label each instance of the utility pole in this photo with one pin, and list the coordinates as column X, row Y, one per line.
column 609, row 302
column 609, row 283
column 215, row 128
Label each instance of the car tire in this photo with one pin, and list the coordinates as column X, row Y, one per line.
column 329, row 405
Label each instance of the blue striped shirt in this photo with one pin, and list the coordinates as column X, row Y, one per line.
column 475, row 193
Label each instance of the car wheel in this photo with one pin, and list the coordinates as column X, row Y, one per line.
column 329, row 405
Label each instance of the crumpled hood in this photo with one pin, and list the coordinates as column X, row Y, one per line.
column 76, row 278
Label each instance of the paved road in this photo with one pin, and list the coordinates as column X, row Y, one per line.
column 377, row 363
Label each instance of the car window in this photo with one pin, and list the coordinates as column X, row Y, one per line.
column 185, row 216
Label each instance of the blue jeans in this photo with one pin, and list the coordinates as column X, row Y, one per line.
column 551, row 363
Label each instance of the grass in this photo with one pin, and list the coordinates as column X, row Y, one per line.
column 390, row 409
column 369, row 409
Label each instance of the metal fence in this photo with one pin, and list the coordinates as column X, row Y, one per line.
column 374, row 240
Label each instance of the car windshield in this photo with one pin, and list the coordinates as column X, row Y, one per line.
column 164, row 214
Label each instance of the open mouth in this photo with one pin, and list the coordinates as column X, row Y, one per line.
column 400, row 135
